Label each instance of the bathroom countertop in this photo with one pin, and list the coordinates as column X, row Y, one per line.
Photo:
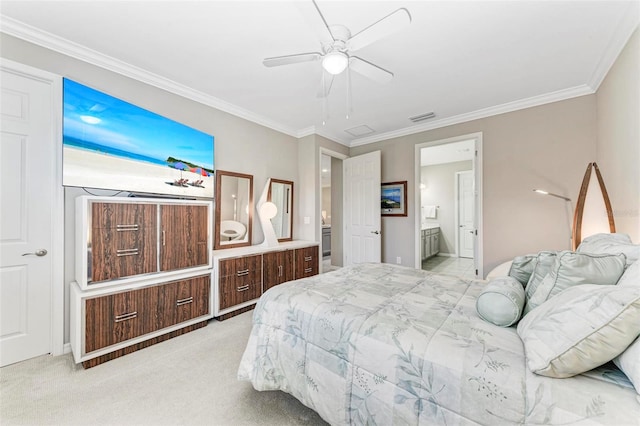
column 430, row 226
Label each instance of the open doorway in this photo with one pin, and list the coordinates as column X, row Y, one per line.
column 331, row 210
column 448, row 208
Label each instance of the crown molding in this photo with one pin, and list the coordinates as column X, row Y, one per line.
column 556, row 96
column 629, row 23
column 36, row 36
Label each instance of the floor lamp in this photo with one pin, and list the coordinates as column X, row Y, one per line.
column 581, row 203
column 568, row 200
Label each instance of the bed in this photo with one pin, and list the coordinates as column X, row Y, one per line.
column 385, row 344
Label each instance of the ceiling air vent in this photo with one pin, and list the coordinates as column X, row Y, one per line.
column 422, row 117
column 360, row 130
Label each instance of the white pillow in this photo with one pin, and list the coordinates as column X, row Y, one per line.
column 571, row 268
column 501, row 301
column 629, row 362
column 579, row 329
column 631, row 275
column 610, row 244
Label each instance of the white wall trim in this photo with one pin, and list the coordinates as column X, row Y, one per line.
column 56, row 345
column 619, row 40
column 478, row 258
column 77, row 51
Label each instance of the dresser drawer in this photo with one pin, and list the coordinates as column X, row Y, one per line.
column 123, row 216
column 183, row 300
column 239, row 280
column 306, row 260
column 118, row 253
column 118, row 317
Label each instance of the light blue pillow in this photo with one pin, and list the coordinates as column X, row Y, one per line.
column 522, row 267
column 501, row 301
column 571, row 269
column 544, row 262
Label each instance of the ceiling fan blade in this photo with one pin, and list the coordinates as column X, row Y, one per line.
column 311, row 13
column 370, row 70
column 388, row 25
column 325, row 85
column 291, row 59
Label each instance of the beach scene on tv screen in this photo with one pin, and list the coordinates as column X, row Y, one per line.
column 111, row 144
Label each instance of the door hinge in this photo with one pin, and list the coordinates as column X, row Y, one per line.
column 476, row 272
column 476, row 232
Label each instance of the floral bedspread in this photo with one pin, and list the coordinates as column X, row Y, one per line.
column 385, row 344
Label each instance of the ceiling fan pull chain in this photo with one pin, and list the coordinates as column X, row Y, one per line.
column 324, row 100
column 349, row 100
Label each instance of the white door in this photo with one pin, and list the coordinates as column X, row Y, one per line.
column 27, row 168
column 361, row 203
column 466, row 229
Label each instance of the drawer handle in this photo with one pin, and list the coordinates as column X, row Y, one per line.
column 128, row 316
column 243, row 288
column 307, row 270
column 307, row 258
column 184, row 301
column 242, row 273
column 280, row 270
column 127, row 252
column 122, row 228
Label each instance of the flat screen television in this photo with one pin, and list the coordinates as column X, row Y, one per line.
column 111, row 144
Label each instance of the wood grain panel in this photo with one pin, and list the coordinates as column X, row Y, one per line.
column 306, row 260
column 277, row 268
column 240, row 280
column 184, row 300
column 123, row 240
column 184, row 230
column 129, row 349
column 114, row 318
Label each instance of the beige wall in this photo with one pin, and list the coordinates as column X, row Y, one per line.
column 546, row 147
column 618, row 145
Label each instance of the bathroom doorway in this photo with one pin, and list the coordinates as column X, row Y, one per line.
column 448, row 208
column 331, row 210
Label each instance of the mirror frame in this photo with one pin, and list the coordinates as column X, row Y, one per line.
column 217, row 243
column 285, row 182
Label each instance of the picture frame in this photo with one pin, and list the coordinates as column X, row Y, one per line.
column 393, row 198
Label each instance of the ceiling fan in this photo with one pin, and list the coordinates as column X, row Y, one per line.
column 338, row 45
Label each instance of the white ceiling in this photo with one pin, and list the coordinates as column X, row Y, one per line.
column 460, row 59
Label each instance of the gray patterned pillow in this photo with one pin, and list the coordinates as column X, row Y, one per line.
column 579, row 329
column 522, row 267
column 571, row 268
column 544, row 262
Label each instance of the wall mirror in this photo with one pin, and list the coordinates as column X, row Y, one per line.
column 234, row 209
column 281, row 194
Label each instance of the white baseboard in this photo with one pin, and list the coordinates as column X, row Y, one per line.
column 66, row 349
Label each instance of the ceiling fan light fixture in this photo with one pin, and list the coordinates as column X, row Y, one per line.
column 335, row 62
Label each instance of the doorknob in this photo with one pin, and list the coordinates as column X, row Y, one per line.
column 375, row 232
column 39, row 253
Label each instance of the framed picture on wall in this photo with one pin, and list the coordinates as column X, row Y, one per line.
column 393, row 198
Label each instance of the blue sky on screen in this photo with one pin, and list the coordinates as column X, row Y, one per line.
column 93, row 116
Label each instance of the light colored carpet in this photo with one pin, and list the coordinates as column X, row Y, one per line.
column 188, row 380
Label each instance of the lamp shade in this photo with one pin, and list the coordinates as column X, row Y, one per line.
column 335, row 62
column 268, row 210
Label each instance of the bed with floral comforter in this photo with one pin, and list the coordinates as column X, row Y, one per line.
column 384, row 344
